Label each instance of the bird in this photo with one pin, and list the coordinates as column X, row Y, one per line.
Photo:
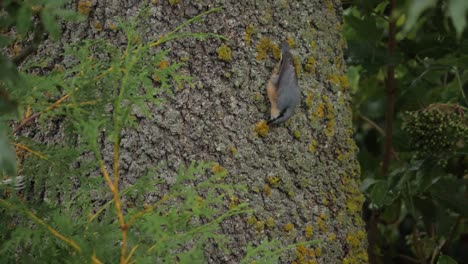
column 282, row 88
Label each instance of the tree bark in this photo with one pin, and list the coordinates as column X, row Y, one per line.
column 303, row 172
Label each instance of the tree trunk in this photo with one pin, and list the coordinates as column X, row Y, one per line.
column 301, row 175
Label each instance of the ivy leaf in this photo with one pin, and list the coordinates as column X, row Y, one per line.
column 415, row 9
column 444, row 259
column 457, row 11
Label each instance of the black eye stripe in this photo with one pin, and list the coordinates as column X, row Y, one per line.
column 279, row 116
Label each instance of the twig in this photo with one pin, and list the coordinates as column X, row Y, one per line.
column 54, row 232
column 373, row 124
column 118, row 208
column 408, row 258
column 390, row 91
column 381, row 131
column 35, row 153
column 36, row 115
column 453, row 230
column 147, row 210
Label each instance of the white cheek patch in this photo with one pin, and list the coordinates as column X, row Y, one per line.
column 274, row 113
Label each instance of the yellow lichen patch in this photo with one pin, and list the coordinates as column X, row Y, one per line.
column 322, row 225
column 264, row 46
column 334, row 78
column 174, row 2
column 98, row 26
column 276, row 52
column 249, row 30
column 330, row 7
column 301, row 253
column 332, row 237
column 357, row 253
column 233, row 150
column 224, row 53
column 267, row 189
column 331, row 122
column 309, row 99
column 354, row 203
column 340, row 80
column 251, row 220
column 270, row 222
column 163, row 64
column 309, row 231
column 274, row 181
column 320, row 110
column 257, row 96
column 310, row 65
column 297, row 65
column 262, row 128
column 233, row 201
column 297, row 134
column 200, row 201
column 339, row 26
column 313, row 44
column 259, row 226
column 112, row 26
column 325, row 201
column 218, row 169
column 289, row 227
column 311, row 253
column 84, row 7
column 344, row 82
column 291, row 42
column 318, row 252
column 355, row 240
column 313, row 145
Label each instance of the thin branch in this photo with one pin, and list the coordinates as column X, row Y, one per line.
column 131, row 254
column 408, row 258
column 147, row 210
column 95, row 259
column 373, row 124
column 381, row 131
column 35, row 153
column 36, row 115
column 118, row 208
column 452, row 233
column 41, row 222
column 390, row 91
column 56, row 104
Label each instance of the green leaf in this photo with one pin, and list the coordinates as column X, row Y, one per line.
column 366, row 183
column 50, row 24
column 415, row 9
column 379, row 192
column 457, row 11
column 444, row 259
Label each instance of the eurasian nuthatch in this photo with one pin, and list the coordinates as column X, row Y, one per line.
column 282, row 88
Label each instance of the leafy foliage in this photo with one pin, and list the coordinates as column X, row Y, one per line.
column 420, row 206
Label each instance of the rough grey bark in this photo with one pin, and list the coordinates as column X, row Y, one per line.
column 301, row 173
